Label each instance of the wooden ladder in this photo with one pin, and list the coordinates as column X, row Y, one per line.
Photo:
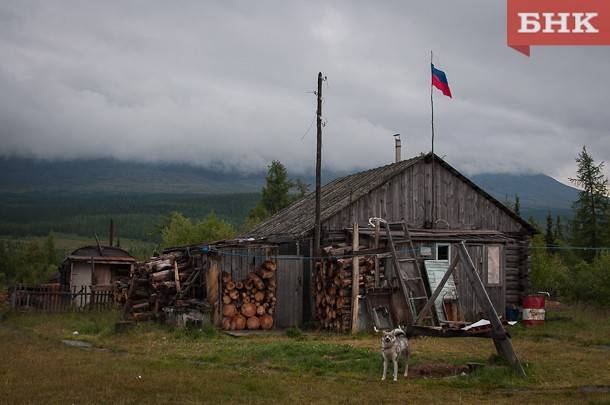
column 413, row 285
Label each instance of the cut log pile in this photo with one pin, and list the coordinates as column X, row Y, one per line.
column 119, row 292
column 172, row 282
column 250, row 303
column 333, row 288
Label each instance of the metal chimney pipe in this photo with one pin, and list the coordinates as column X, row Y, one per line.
column 111, row 233
column 398, row 156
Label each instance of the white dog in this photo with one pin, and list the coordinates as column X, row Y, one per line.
column 393, row 344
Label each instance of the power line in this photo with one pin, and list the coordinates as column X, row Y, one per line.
column 309, row 129
column 571, row 247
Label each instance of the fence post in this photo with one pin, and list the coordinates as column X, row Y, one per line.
column 13, row 297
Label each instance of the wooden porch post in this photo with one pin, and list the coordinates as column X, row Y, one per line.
column 355, row 277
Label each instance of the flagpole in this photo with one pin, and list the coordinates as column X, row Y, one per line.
column 432, row 202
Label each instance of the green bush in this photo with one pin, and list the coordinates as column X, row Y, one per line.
column 28, row 262
column 590, row 282
column 567, row 277
column 182, row 231
column 549, row 272
column 294, row 332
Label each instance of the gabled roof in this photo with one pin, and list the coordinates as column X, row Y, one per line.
column 298, row 218
column 109, row 253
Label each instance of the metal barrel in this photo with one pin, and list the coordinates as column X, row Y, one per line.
column 533, row 310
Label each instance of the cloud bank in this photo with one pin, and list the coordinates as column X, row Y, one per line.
column 228, row 85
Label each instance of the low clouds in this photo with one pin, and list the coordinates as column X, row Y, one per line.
column 229, row 85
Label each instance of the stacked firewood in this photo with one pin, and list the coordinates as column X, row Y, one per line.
column 119, row 292
column 333, row 290
column 250, row 303
column 167, row 282
column 138, row 302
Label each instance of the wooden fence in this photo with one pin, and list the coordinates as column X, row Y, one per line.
column 51, row 298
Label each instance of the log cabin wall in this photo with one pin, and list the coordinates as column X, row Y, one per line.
column 458, row 206
column 517, row 269
column 406, row 196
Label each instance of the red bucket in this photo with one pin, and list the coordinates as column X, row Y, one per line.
column 533, row 310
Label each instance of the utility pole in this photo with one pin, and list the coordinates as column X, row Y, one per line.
column 432, row 191
column 317, row 225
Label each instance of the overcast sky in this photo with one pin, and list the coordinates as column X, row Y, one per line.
column 228, row 84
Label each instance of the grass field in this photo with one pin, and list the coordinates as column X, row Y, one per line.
column 567, row 361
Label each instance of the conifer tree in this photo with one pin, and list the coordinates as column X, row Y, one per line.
column 276, row 193
column 558, row 229
column 590, row 223
column 549, row 235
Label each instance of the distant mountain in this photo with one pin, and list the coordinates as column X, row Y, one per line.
column 538, row 193
column 19, row 175
column 113, row 176
column 534, row 190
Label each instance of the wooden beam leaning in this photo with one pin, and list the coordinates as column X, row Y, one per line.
column 502, row 342
column 355, row 277
column 376, row 246
column 437, row 291
column 177, row 277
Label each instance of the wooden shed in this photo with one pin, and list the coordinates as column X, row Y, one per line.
column 97, row 266
column 455, row 210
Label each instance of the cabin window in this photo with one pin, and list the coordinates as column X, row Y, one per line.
column 493, row 265
column 442, row 251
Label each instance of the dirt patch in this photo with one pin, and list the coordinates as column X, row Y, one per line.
column 438, row 370
column 552, row 305
column 77, row 343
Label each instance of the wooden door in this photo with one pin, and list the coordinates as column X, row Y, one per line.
column 289, row 305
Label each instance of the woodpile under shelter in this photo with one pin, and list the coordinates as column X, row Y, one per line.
column 429, row 211
column 235, row 284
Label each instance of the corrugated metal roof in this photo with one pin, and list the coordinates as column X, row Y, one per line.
column 298, row 219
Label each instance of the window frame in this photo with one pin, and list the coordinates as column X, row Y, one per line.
column 436, row 246
column 487, row 267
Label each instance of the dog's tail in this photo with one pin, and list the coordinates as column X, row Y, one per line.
column 400, row 331
column 375, row 329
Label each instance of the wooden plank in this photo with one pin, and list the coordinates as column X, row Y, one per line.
column 436, row 292
column 355, row 277
column 177, row 277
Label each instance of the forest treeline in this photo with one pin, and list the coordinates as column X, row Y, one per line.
column 165, row 220
column 136, row 216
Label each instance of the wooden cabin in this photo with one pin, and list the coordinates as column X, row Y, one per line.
column 455, row 210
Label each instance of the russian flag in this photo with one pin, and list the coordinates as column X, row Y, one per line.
column 439, row 80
